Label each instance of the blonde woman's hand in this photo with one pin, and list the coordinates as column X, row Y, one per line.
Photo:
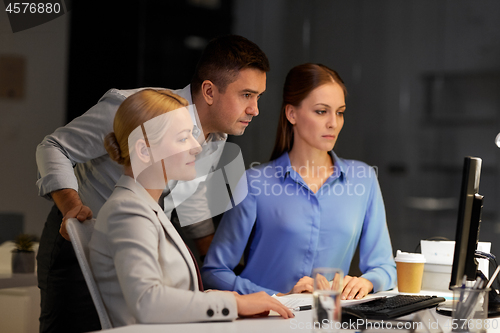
column 260, row 304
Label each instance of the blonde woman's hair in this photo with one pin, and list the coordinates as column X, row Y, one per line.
column 132, row 113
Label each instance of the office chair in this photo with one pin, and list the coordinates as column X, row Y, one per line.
column 80, row 234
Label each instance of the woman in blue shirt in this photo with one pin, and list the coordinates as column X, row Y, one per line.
column 306, row 208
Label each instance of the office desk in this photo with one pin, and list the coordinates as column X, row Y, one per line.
column 301, row 323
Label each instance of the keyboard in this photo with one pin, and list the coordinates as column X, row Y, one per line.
column 396, row 306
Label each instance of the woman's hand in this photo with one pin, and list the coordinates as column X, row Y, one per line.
column 356, row 287
column 304, row 285
column 260, row 304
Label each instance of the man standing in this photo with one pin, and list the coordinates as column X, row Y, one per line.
column 78, row 175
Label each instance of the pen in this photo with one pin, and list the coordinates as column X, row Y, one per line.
column 493, row 277
column 302, row 308
column 478, row 283
column 472, row 301
column 461, row 298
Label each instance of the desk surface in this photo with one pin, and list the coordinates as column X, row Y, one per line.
column 301, row 323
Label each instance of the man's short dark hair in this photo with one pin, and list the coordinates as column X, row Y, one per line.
column 223, row 58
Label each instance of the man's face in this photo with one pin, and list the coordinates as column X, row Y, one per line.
column 233, row 110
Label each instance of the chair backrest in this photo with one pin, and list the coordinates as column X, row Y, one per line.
column 80, row 234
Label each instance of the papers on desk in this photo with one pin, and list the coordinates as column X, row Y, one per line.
column 296, row 300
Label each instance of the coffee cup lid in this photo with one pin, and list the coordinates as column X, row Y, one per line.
column 409, row 257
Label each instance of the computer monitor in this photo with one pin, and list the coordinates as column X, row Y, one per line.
column 469, row 219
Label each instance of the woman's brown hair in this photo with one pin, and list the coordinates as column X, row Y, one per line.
column 299, row 83
column 132, row 113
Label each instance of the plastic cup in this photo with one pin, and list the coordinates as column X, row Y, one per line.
column 410, row 269
column 328, row 284
column 470, row 310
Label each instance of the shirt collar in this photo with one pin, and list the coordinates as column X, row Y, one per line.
column 283, row 163
column 340, row 166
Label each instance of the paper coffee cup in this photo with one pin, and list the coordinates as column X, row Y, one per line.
column 410, row 268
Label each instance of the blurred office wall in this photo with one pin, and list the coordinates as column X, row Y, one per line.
column 150, row 43
column 423, row 81
column 422, row 77
column 26, row 117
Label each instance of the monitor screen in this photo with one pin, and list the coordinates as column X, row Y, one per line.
column 469, row 219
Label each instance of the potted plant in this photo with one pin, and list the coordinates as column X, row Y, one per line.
column 23, row 256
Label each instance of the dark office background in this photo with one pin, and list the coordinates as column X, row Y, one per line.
column 423, row 78
column 150, row 43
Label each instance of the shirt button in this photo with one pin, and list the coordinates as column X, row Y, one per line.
column 210, row 312
column 225, row 311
